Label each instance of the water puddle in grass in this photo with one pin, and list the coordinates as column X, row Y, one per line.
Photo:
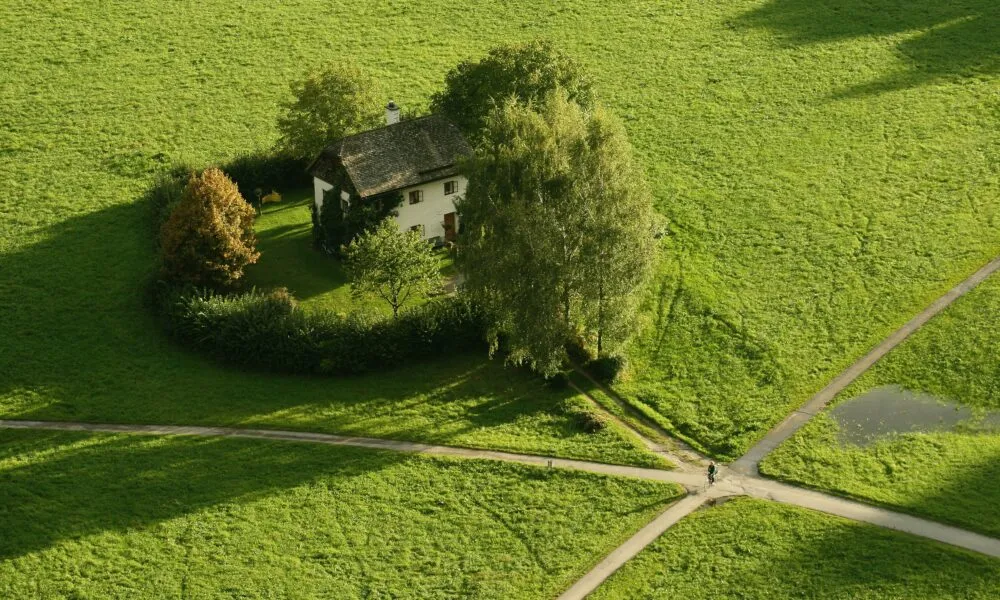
column 891, row 410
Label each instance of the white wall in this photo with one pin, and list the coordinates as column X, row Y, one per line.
column 319, row 187
column 430, row 213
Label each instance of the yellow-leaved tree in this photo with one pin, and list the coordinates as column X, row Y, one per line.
column 208, row 238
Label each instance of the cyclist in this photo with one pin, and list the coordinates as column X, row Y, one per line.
column 712, row 470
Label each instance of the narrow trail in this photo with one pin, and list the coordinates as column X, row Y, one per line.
column 742, row 476
column 749, row 462
column 728, row 484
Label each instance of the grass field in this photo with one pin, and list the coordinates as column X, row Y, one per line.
column 288, row 259
column 827, row 170
column 752, row 549
column 949, row 476
column 139, row 517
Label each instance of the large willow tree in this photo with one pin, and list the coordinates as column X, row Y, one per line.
column 558, row 233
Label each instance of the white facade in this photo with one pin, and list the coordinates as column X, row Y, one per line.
column 429, row 213
column 319, row 188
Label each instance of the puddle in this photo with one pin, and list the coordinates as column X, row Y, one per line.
column 891, row 410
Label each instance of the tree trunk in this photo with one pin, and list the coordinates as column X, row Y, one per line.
column 600, row 319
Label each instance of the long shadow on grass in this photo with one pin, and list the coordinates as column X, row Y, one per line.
column 87, row 485
column 78, row 343
column 942, row 40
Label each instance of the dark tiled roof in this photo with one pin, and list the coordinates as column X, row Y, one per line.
column 396, row 156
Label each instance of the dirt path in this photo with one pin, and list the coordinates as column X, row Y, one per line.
column 748, row 462
column 729, row 483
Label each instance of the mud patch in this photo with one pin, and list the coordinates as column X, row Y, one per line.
column 891, row 410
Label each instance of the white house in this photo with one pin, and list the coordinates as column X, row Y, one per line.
column 416, row 158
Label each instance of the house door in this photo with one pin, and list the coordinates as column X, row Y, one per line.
column 450, row 233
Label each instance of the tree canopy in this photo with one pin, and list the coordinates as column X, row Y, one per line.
column 329, row 104
column 558, row 233
column 209, row 238
column 396, row 266
column 526, row 72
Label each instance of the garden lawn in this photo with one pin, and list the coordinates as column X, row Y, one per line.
column 97, row 516
column 827, row 170
column 950, row 476
column 755, row 549
column 288, row 259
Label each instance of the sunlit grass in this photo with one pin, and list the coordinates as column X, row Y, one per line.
column 952, row 477
column 753, row 549
column 153, row 517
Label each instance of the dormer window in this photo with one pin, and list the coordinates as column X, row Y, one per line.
column 416, row 196
column 449, row 188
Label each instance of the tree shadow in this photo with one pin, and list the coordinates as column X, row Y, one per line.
column 937, row 40
column 82, row 485
column 80, row 343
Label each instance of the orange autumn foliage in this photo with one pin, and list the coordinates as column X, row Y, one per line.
column 209, row 238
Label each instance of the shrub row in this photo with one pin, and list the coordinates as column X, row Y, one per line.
column 265, row 172
column 267, row 331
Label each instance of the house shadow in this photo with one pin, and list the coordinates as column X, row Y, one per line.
column 939, row 41
column 85, row 485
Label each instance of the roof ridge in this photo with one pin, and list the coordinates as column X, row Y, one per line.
column 380, row 128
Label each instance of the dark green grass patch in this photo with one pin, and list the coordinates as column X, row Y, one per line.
column 813, row 207
column 754, row 549
column 288, row 259
column 953, row 476
column 135, row 517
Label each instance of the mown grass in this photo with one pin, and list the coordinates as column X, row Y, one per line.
column 953, row 476
column 100, row 516
column 288, row 259
column 754, row 549
column 827, row 169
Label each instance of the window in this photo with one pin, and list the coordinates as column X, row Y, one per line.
column 416, row 196
column 419, row 229
column 449, row 187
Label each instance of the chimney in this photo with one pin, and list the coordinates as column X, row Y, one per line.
column 391, row 113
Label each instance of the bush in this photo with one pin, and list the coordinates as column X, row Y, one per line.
column 266, row 171
column 267, row 331
column 208, row 238
column 576, row 350
column 584, row 415
column 558, row 381
column 607, row 369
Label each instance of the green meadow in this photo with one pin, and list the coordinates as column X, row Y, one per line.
column 827, row 170
column 752, row 549
column 951, row 476
column 136, row 517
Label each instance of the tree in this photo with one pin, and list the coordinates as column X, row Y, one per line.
column 329, row 104
column 558, row 233
column 527, row 72
column 208, row 238
column 394, row 265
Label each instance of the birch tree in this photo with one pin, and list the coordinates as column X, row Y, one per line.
column 557, row 236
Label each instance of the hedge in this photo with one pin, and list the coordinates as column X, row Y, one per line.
column 267, row 331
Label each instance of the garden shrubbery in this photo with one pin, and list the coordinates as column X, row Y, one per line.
column 266, row 171
column 265, row 330
column 607, row 369
column 586, row 416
